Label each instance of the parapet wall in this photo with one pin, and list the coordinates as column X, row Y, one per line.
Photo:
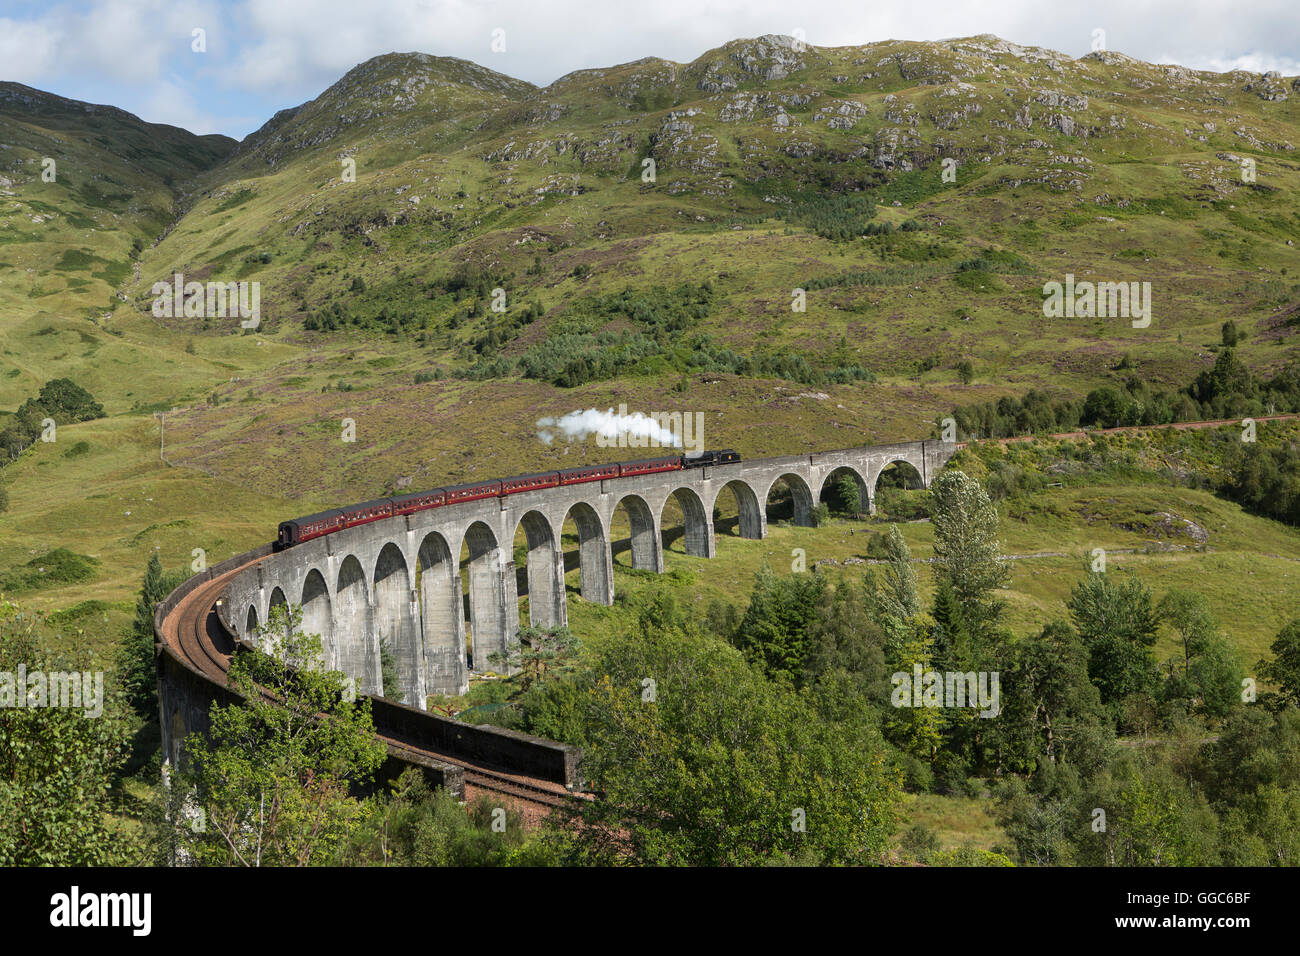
column 496, row 747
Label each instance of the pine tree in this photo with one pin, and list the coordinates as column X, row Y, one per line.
column 952, row 638
column 774, row 630
column 136, row 658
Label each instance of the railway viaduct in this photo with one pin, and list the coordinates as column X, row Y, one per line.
column 396, row 583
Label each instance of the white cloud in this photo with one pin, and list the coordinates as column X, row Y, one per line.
column 172, row 103
column 28, row 50
column 128, row 41
column 1256, row 62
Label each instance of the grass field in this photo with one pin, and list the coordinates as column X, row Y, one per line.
column 1249, row 569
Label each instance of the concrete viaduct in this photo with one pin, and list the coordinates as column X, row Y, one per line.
column 396, row 582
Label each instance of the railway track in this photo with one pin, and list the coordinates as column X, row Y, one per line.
column 1180, row 426
column 192, row 617
column 194, row 630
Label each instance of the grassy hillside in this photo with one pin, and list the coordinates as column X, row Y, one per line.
column 775, row 168
column 83, row 191
column 1102, row 167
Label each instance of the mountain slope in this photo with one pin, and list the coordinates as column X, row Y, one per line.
column 776, row 167
column 83, row 190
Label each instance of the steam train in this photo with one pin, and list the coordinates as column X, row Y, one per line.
column 307, row 527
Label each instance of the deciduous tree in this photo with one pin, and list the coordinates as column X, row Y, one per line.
column 269, row 785
column 966, row 549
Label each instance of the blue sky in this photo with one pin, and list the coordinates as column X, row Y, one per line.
column 265, row 55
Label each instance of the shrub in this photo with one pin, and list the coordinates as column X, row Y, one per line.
column 50, row 569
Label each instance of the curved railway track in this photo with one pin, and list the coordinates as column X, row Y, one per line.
column 194, row 631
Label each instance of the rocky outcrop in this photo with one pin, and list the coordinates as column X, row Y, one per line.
column 768, row 58
column 1268, row 87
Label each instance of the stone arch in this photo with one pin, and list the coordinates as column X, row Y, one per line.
column 647, row 554
column 544, row 569
column 864, row 490
column 493, row 618
column 595, row 574
column 801, row 500
column 750, row 523
column 905, row 468
column 277, row 600
column 697, row 523
column 442, row 619
column 317, row 615
column 396, row 628
column 251, row 623
column 353, row 646
column 895, row 475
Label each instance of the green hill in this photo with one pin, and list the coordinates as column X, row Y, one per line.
column 776, row 168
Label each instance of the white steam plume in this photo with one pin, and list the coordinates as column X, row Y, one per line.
column 608, row 427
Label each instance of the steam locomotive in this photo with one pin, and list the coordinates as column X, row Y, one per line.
column 308, row 527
